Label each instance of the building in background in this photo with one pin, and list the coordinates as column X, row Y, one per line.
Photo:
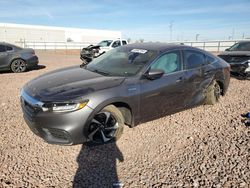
column 25, row 34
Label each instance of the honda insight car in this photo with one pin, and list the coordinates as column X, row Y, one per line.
column 16, row 59
column 128, row 85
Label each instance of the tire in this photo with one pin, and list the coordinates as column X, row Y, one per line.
column 106, row 126
column 213, row 93
column 18, row 65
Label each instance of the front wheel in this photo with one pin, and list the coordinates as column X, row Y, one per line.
column 213, row 93
column 18, row 65
column 106, row 126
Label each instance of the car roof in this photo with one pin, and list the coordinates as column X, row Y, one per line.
column 244, row 41
column 5, row 43
column 12, row 45
column 157, row 46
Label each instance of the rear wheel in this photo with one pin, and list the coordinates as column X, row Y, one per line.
column 18, row 65
column 106, row 126
column 213, row 93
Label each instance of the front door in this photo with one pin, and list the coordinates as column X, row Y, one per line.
column 166, row 94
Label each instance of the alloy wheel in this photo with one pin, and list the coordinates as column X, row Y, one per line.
column 103, row 127
column 18, row 66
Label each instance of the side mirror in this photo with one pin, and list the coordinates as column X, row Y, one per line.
column 227, row 49
column 154, row 74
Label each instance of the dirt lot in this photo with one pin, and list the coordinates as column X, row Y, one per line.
column 205, row 146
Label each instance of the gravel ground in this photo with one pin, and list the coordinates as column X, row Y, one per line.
column 207, row 146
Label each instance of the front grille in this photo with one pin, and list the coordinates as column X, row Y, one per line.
column 29, row 110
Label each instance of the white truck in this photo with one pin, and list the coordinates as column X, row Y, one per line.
column 107, row 45
column 92, row 51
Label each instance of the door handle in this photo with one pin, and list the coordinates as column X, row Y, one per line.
column 207, row 72
column 179, row 80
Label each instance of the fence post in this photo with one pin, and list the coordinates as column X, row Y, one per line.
column 218, row 47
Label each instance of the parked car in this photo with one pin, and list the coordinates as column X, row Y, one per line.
column 238, row 56
column 16, row 59
column 93, row 51
column 128, row 85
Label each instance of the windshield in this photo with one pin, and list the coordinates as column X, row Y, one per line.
column 122, row 61
column 105, row 43
column 244, row 46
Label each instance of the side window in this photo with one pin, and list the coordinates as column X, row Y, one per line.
column 169, row 62
column 8, row 48
column 209, row 59
column 245, row 47
column 124, row 42
column 2, row 48
column 116, row 44
column 193, row 59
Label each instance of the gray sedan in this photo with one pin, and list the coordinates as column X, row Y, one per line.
column 16, row 59
column 128, row 85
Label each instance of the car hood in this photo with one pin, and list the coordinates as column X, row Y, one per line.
column 69, row 84
column 235, row 53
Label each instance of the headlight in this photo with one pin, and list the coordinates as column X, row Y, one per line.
column 65, row 107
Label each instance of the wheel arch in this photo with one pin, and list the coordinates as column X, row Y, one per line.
column 16, row 58
column 221, row 87
column 123, row 106
column 126, row 112
column 219, row 79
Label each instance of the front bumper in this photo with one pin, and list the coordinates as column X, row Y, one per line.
column 242, row 69
column 55, row 128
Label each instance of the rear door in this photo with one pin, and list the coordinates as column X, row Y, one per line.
column 198, row 74
column 166, row 94
column 3, row 57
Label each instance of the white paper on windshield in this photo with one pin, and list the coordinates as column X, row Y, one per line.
column 140, row 51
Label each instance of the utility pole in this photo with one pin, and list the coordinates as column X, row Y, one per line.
column 196, row 37
column 233, row 31
column 243, row 35
column 171, row 30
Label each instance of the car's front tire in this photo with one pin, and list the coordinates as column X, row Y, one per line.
column 18, row 65
column 106, row 126
column 213, row 93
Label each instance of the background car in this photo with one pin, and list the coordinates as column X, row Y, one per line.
column 16, row 59
column 107, row 45
column 238, row 56
column 92, row 51
column 128, row 85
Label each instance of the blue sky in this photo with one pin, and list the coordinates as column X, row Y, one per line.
column 138, row 19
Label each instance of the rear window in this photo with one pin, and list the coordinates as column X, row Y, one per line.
column 193, row 59
column 210, row 59
column 116, row 44
column 124, row 42
column 8, row 48
column 2, row 48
